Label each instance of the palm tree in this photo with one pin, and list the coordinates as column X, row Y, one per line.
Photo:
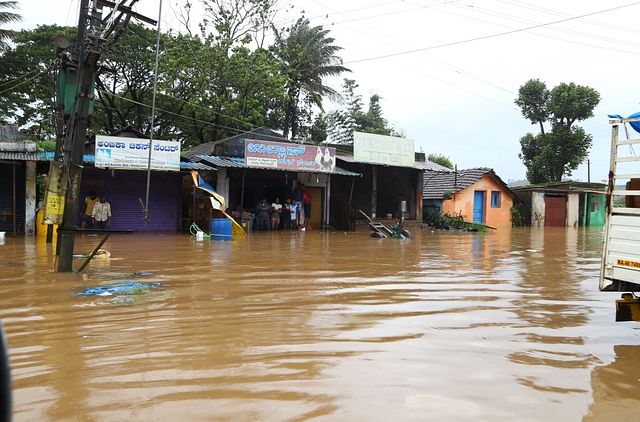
column 307, row 55
column 7, row 35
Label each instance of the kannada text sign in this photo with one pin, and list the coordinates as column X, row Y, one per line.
column 295, row 157
column 133, row 154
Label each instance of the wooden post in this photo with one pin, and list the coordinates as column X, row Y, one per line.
column 374, row 192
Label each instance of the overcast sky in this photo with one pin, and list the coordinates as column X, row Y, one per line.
column 449, row 71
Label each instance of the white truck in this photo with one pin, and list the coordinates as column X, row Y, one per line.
column 620, row 269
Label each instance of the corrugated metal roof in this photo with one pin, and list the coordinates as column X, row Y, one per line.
column 19, row 156
column 421, row 165
column 91, row 159
column 187, row 165
column 49, row 156
column 343, row 172
column 222, row 161
column 227, row 162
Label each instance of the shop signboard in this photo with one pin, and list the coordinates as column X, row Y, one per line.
column 286, row 156
column 380, row 149
column 54, row 194
column 133, row 154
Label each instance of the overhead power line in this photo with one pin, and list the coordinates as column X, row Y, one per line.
column 493, row 35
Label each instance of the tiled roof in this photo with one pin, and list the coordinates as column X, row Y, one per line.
column 431, row 166
column 226, row 162
column 436, row 183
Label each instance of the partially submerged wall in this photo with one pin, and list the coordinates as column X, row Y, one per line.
column 537, row 209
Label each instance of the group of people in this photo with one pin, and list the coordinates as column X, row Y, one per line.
column 291, row 215
column 95, row 212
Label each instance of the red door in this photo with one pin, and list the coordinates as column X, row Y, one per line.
column 555, row 211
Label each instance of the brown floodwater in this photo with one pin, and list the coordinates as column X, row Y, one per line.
column 322, row 326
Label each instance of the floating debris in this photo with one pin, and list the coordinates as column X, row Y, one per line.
column 100, row 254
column 130, row 287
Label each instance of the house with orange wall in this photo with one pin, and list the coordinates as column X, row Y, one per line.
column 478, row 194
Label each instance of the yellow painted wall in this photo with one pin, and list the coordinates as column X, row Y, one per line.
column 462, row 202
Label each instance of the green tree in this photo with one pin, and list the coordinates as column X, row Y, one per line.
column 307, row 55
column 218, row 85
column 342, row 123
column 218, row 92
column 560, row 148
column 372, row 121
column 238, row 21
column 125, row 86
column 7, row 35
column 440, row 159
column 27, row 79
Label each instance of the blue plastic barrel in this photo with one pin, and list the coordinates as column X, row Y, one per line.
column 220, row 229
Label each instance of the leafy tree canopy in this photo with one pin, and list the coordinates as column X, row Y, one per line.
column 440, row 159
column 342, row 123
column 307, row 55
column 212, row 85
column 560, row 147
column 7, row 35
column 27, row 82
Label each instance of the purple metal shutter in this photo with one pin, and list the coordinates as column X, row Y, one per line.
column 6, row 196
column 124, row 187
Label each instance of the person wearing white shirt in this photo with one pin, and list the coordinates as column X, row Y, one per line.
column 101, row 213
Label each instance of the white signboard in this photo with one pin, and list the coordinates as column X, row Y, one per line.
column 133, row 154
column 380, row 149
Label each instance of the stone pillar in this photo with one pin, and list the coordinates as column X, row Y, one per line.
column 30, row 199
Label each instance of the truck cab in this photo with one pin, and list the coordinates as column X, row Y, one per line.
column 620, row 268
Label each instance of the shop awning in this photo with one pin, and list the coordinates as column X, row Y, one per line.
column 91, row 159
column 233, row 162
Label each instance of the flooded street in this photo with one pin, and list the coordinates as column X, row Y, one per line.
column 323, row 326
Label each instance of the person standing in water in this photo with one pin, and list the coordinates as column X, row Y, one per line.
column 87, row 210
column 101, row 213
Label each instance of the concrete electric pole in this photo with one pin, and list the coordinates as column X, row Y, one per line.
column 88, row 48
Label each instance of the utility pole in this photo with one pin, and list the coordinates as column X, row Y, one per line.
column 88, row 50
column 87, row 53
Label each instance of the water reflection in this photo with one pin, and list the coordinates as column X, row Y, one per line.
column 298, row 326
column 615, row 387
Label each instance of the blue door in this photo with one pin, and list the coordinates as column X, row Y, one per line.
column 478, row 206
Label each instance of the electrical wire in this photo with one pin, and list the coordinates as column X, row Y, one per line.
column 493, row 36
column 185, row 118
column 21, row 77
column 24, row 82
